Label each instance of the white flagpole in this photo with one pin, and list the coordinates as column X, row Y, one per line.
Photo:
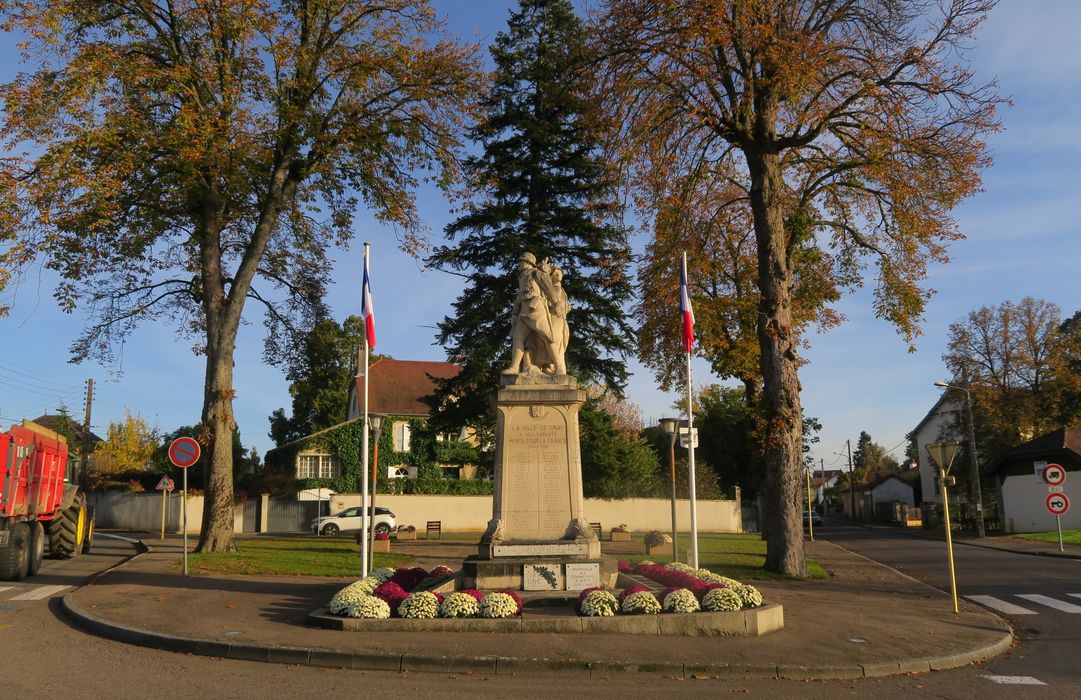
column 364, row 520
column 690, row 447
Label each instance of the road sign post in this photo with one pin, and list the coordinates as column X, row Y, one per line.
column 165, row 486
column 1058, row 504
column 942, row 454
column 184, row 452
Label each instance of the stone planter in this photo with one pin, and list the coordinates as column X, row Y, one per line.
column 620, row 536
column 381, row 546
column 665, row 548
column 407, row 535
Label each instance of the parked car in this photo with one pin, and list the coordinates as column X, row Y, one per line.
column 816, row 519
column 349, row 519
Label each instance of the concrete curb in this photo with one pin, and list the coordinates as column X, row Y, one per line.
column 330, row 658
column 368, row 661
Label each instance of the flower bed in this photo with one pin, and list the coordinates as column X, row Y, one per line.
column 388, row 592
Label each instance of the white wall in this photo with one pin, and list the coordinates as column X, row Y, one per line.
column 941, row 426
column 1024, row 498
column 474, row 512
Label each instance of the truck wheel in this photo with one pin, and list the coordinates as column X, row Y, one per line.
column 37, row 548
column 68, row 529
column 88, row 539
column 15, row 557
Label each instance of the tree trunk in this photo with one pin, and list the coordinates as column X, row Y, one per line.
column 780, row 401
column 218, row 426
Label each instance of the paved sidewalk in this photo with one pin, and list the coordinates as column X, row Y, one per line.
column 866, row 620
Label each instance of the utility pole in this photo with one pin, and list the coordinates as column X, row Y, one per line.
column 84, row 452
column 851, row 478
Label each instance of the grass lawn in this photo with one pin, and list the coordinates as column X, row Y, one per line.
column 738, row 556
column 311, row 556
column 1068, row 536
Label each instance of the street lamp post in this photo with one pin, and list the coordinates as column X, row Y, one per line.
column 670, row 425
column 975, row 476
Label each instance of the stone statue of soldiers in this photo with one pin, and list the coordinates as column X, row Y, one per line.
column 539, row 330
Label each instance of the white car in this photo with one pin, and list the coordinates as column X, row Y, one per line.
column 348, row 520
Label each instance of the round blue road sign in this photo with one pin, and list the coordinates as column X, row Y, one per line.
column 184, row 452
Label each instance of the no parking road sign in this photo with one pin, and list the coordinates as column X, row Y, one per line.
column 184, row 452
column 1057, row 503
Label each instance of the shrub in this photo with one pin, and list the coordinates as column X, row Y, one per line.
column 721, row 599
column 599, row 603
column 641, row 603
column 656, row 538
column 420, row 605
column 681, row 600
column 459, row 604
column 498, row 605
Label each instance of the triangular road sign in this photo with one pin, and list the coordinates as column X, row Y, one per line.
column 942, row 454
column 166, row 484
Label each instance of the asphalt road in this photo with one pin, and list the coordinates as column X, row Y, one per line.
column 45, row 656
column 1040, row 596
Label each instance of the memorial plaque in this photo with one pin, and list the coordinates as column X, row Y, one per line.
column 541, row 549
column 583, row 576
column 536, row 481
column 542, row 577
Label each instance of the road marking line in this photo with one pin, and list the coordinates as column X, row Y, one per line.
column 1015, row 680
column 5, row 588
column 39, row 593
column 1051, row 602
column 1075, row 595
column 1000, row 605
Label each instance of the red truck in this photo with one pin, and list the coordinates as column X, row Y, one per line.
column 41, row 509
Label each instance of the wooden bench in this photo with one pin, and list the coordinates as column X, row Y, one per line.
column 435, row 526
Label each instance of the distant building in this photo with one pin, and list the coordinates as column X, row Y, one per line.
column 397, row 393
column 1018, row 475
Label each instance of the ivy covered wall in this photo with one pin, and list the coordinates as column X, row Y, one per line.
column 344, row 439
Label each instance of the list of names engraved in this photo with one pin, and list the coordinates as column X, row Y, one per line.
column 536, row 501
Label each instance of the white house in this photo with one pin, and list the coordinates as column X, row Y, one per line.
column 1024, row 492
column 944, row 422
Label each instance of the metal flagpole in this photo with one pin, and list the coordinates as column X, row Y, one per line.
column 364, row 515
column 690, row 446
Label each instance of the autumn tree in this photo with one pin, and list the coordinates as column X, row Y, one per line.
column 857, row 117
column 1016, row 358
column 129, row 445
column 541, row 187
column 175, row 160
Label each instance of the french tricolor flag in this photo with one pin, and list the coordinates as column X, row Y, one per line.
column 685, row 308
column 367, row 312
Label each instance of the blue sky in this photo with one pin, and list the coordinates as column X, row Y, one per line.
column 1021, row 239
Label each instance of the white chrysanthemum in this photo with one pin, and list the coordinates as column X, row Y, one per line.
column 419, row 605
column 749, row 594
column 498, row 604
column 680, row 566
column 710, row 577
column 646, row 562
column 641, row 603
column 459, row 604
column 367, row 606
column 600, row 604
column 722, row 600
column 383, row 573
column 702, row 573
column 351, row 592
column 681, row 600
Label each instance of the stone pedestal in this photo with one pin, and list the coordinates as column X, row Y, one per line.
column 538, row 509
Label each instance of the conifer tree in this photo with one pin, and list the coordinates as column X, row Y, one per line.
column 540, row 187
